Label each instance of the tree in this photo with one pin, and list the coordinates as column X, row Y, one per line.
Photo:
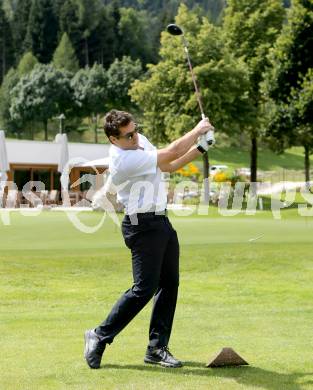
column 137, row 34
column 42, row 29
column 26, row 64
column 166, row 94
column 9, row 82
column 90, row 94
column 251, row 27
column 302, row 114
column 69, row 23
column 88, row 16
column 41, row 95
column 6, row 44
column 20, row 23
column 115, row 14
column 288, row 83
column 103, row 39
column 213, row 8
column 64, row 57
column 121, row 74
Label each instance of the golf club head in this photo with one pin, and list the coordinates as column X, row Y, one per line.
column 173, row 29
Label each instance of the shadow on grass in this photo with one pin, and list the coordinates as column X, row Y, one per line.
column 245, row 375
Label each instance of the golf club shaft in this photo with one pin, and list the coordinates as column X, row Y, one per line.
column 193, row 78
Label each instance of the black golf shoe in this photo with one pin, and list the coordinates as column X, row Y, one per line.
column 161, row 356
column 94, row 349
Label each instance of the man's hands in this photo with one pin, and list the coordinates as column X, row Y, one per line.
column 183, row 150
column 206, row 135
column 203, row 126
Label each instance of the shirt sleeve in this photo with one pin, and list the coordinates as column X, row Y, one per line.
column 139, row 162
column 147, row 144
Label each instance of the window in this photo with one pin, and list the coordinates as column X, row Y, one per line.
column 43, row 176
column 21, row 177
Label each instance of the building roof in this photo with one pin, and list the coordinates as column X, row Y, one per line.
column 44, row 152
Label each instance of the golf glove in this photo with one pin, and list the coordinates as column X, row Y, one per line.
column 205, row 141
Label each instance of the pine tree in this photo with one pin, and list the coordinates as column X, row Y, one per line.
column 114, row 10
column 137, row 35
column 20, row 22
column 89, row 12
column 69, row 23
column 26, row 64
column 64, row 57
column 6, row 45
column 102, row 40
column 42, row 30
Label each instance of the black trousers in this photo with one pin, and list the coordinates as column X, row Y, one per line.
column 155, row 261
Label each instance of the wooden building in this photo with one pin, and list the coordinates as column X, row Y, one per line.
column 38, row 161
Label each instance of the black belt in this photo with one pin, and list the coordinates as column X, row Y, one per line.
column 148, row 215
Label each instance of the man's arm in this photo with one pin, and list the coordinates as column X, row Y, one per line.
column 172, row 166
column 181, row 146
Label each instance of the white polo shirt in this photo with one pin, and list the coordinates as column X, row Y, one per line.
column 137, row 178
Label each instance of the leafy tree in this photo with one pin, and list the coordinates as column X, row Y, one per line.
column 9, row 82
column 121, row 75
column 64, row 57
column 42, row 29
column 166, row 95
column 288, row 83
column 90, row 94
column 41, row 95
column 302, row 114
column 6, row 44
column 251, row 27
column 26, row 64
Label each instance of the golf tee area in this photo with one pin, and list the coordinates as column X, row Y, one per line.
column 245, row 283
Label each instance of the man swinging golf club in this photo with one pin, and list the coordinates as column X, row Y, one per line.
column 135, row 167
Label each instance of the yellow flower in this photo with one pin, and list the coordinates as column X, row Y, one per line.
column 189, row 170
column 220, row 177
column 193, row 169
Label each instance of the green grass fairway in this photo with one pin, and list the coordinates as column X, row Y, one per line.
column 292, row 158
column 255, row 297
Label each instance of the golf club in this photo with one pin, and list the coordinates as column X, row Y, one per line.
column 173, row 29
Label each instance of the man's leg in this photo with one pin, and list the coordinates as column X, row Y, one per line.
column 164, row 307
column 166, row 296
column 148, row 247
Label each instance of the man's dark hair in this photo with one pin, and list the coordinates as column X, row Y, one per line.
column 114, row 120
